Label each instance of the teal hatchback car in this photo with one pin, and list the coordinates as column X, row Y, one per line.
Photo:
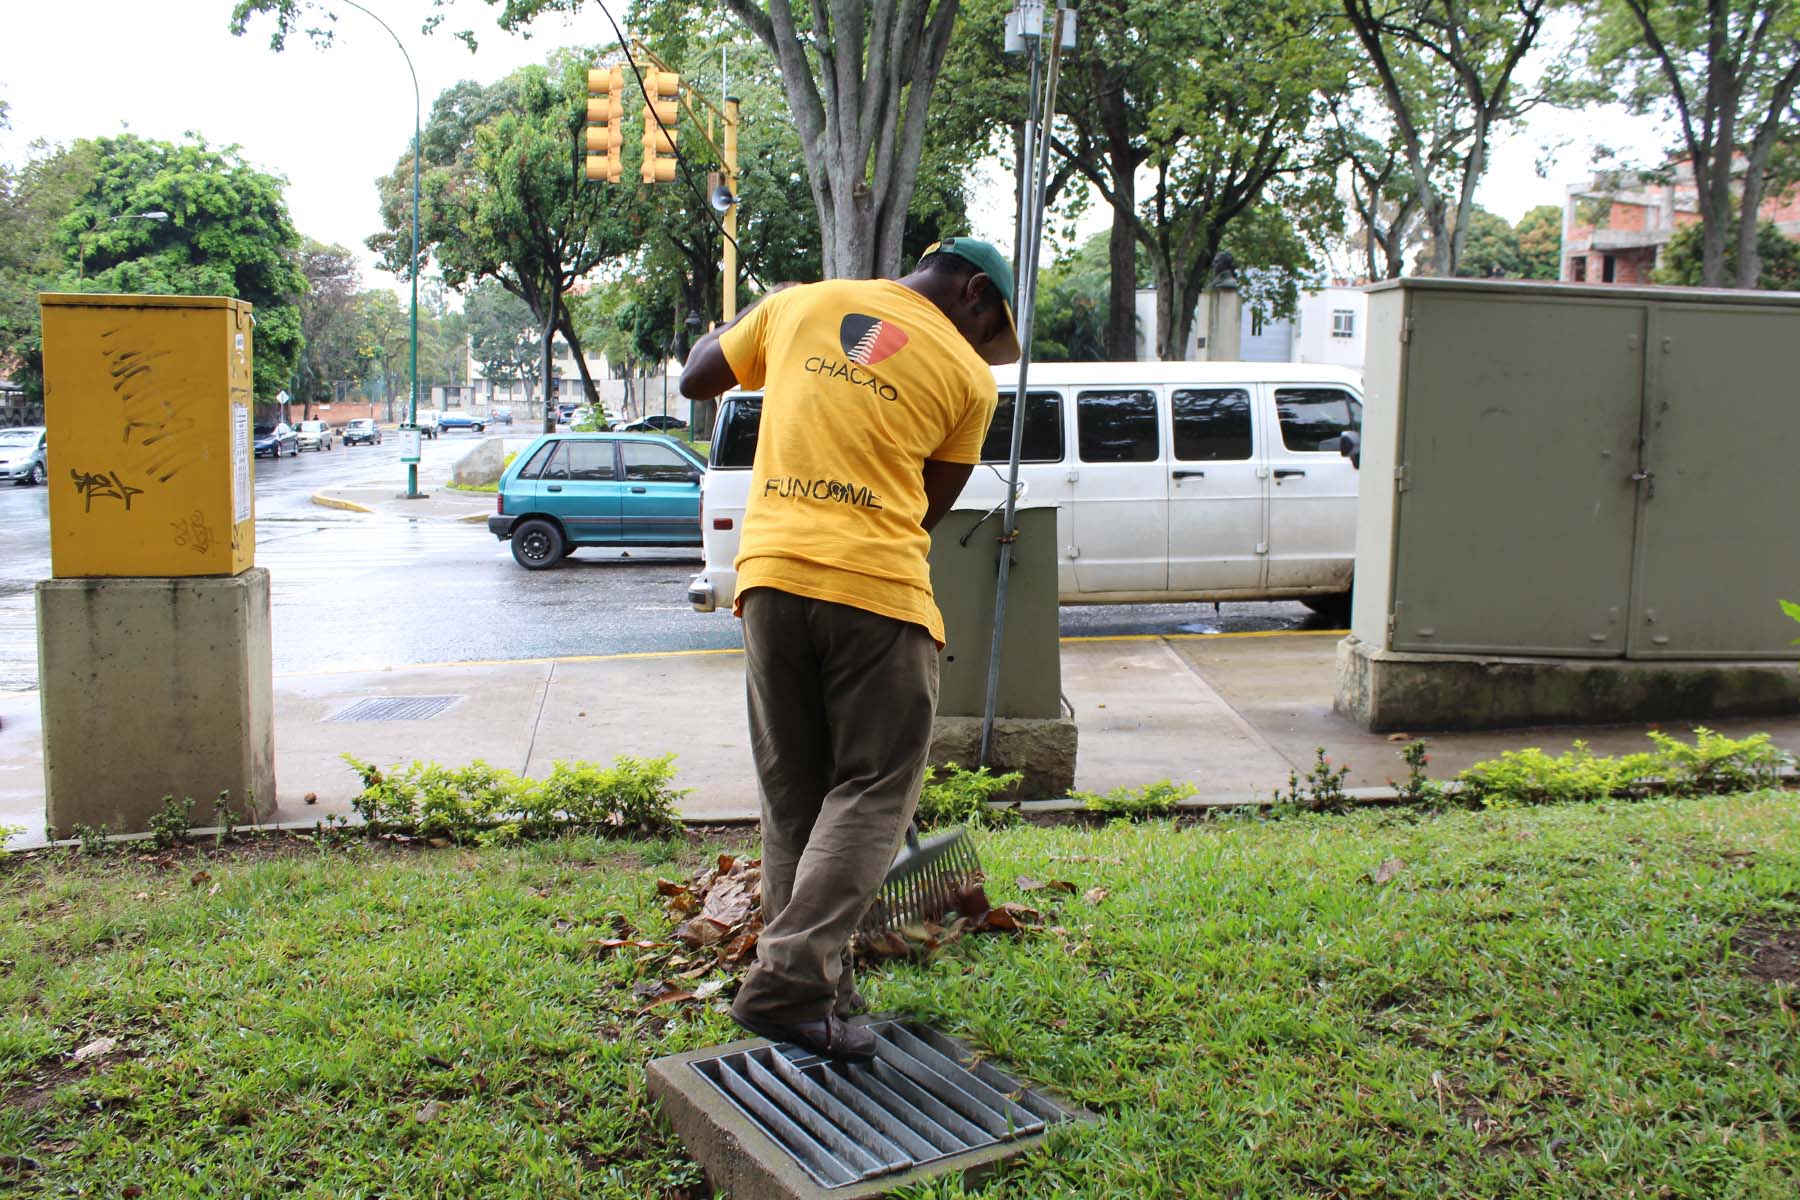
column 597, row 489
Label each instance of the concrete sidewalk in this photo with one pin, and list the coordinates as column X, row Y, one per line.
column 1232, row 714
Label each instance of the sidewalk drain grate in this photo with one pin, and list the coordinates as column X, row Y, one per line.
column 924, row 1102
column 395, row 708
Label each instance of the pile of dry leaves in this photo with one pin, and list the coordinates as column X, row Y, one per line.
column 718, row 915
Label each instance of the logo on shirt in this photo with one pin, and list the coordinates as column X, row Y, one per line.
column 867, row 340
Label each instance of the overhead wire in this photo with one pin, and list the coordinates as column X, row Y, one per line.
column 687, row 174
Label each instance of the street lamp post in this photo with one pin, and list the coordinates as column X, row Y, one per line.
column 81, row 241
column 412, row 410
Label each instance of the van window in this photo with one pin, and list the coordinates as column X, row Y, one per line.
column 1117, row 426
column 1313, row 418
column 647, row 462
column 734, row 438
column 534, row 468
column 1043, row 429
column 1212, row 424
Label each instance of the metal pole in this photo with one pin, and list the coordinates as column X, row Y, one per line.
column 1035, row 166
column 731, row 219
column 412, row 414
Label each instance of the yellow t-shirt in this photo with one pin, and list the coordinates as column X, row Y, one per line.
column 863, row 380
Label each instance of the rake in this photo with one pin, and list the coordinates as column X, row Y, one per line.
column 928, row 879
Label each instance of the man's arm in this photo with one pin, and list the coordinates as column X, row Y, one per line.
column 707, row 373
column 943, row 484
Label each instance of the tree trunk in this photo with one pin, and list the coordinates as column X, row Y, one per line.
column 1121, row 292
column 1121, row 245
column 549, row 368
column 567, row 326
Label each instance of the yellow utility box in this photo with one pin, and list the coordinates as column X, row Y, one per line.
column 147, row 404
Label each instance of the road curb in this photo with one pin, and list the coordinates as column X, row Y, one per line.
column 324, row 501
column 473, row 517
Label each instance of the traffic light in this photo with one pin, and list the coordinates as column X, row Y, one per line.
column 659, row 125
column 606, row 122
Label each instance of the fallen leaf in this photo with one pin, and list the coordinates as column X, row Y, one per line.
column 607, row 945
column 1061, row 885
column 668, row 887
column 582, row 713
column 682, row 904
column 710, row 988
column 213, row 890
column 438, row 843
column 666, row 998
column 428, row 1112
column 699, row 932
column 131, row 1191
column 96, row 1048
column 741, row 947
column 650, row 988
column 199, row 877
column 1400, row 737
column 1388, row 869
column 311, row 797
column 728, row 903
column 1026, row 883
column 141, row 896
column 1095, row 895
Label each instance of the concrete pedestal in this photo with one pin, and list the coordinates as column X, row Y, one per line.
column 154, row 687
column 1042, row 749
column 1389, row 690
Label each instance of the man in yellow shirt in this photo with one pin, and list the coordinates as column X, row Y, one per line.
column 877, row 395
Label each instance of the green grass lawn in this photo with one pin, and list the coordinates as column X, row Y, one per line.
column 1549, row 1002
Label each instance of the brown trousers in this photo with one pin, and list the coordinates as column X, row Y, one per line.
column 841, row 705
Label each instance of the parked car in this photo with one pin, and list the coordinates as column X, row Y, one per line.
column 501, row 416
column 276, row 441
column 314, row 435
column 658, row 423
column 362, row 430
column 22, row 454
column 1171, row 481
column 461, row 420
column 430, row 421
column 597, row 489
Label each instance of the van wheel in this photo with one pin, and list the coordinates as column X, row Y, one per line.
column 1335, row 608
column 537, row 545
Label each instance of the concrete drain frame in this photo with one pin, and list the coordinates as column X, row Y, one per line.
column 770, row 1120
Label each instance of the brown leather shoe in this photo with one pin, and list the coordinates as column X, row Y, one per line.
column 828, row 1036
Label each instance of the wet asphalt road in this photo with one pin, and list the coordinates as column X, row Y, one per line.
column 353, row 591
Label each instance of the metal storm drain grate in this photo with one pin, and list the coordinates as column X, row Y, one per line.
column 395, row 708
column 924, row 1102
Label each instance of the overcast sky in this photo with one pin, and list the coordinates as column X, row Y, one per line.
column 332, row 120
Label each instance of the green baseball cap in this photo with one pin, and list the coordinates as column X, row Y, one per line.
column 990, row 262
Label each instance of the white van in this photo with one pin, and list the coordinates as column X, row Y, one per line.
column 1172, row 481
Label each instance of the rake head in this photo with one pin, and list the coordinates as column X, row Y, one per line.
column 927, row 880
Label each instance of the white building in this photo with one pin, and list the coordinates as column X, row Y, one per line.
column 1328, row 328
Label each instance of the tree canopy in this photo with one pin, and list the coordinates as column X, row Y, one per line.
column 227, row 234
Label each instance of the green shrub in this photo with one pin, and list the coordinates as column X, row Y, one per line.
column 1419, row 788
column 953, row 795
column 1159, row 799
column 169, row 826
column 1323, row 789
column 1714, row 763
column 631, row 798
column 481, row 803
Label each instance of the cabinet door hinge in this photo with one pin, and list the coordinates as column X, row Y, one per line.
column 1400, row 479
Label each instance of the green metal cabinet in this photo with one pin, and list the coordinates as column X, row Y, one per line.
column 1567, row 471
